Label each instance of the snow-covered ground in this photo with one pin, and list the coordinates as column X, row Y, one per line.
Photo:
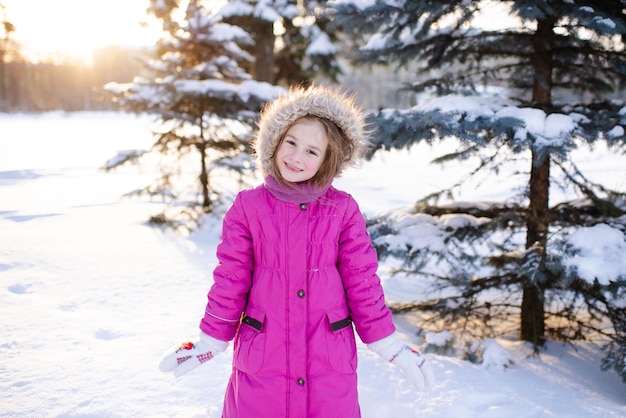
column 91, row 297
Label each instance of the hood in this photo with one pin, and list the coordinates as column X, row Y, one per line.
column 278, row 116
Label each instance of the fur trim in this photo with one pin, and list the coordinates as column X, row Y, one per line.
column 278, row 116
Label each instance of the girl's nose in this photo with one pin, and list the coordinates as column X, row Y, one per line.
column 297, row 155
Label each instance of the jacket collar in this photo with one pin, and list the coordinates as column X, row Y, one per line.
column 300, row 192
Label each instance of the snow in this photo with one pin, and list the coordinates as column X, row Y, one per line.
column 617, row 131
column 91, row 297
column 601, row 250
column 605, row 21
column 321, row 45
column 262, row 10
column 552, row 127
column 361, row 4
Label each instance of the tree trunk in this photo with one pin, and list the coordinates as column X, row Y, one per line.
column 204, row 175
column 204, row 179
column 532, row 315
column 3, row 93
column 264, row 51
column 532, row 310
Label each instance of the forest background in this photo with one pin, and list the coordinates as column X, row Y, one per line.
column 550, row 82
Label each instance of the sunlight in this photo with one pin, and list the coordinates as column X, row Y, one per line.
column 495, row 15
column 71, row 30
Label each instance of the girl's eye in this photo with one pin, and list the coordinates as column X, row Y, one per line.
column 290, row 142
column 313, row 153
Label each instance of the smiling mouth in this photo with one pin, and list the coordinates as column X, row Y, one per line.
column 292, row 168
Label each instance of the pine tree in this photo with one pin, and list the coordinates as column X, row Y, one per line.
column 214, row 70
column 557, row 59
column 8, row 49
column 292, row 44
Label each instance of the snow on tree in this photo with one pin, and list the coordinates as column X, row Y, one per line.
column 205, row 101
column 213, row 71
column 292, row 44
column 546, row 81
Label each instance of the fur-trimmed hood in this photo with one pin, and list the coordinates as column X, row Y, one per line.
column 278, row 116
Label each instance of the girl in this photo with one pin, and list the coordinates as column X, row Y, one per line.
column 296, row 272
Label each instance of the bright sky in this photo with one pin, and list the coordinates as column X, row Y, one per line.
column 74, row 28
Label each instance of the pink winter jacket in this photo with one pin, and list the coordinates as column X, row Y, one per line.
column 291, row 281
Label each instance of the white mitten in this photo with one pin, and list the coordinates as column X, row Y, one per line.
column 411, row 361
column 190, row 355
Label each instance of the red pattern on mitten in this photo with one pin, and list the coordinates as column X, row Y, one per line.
column 188, row 355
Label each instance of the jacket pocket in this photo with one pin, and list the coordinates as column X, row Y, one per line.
column 340, row 340
column 249, row 349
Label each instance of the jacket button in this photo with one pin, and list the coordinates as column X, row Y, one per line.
column 301, row 381
column 301, row 293
column 303, row 206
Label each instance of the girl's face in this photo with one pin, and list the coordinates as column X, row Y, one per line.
column 302, row 151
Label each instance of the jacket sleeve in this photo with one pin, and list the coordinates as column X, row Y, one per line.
column 232, row 276
column 358, row 265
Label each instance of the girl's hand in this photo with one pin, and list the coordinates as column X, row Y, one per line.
column 412, row 362
column 190, row 355
column 416, row 367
